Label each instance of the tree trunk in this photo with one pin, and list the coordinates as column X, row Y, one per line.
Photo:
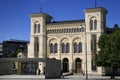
column 113, row 73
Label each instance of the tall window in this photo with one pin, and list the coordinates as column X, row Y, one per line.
column 93, row 51
column 36, row 46
column 91, row 24
column 63, row 48
column 36, row 28
column 95, row 24
column 75, row 47
column 80, row 47
column 53, row 48
column 67, row 48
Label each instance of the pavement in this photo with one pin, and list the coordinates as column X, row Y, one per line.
column 42, row 77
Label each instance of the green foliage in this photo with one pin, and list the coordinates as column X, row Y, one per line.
column 109, row 53
column 116, row 26
column 15, row 53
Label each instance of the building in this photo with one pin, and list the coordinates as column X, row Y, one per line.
column 70, row 41
column 11, row 46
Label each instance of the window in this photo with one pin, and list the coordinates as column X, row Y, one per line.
column 36, row 44
column 80, row 47
column 75, row 47
column 51, row 48
column 95, row 24
column 67, row 48
column 63, row 48
column 55, row 48
column 93, row 51
column 91, row 24
column 36, row 28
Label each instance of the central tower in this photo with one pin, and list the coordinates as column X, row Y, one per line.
column 37, row 46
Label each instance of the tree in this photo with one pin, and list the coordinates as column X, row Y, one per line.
column 116, row 26
column 14, row 53
column 109, row 53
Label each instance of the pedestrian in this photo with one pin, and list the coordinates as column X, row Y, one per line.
column 39, row 71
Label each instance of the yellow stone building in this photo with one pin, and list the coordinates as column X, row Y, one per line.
column 68, row 41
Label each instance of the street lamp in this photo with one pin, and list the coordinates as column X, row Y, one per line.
column 86, row 54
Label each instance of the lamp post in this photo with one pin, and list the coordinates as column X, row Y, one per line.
column 86, row 73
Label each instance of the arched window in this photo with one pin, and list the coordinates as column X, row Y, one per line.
column 35, row 28
column 95, row 24
column 75, row 47
column 38, row 28
column 91, row 24
column 55, row 48
column 51, row 48
column 63, row 48
column 80, row 47
column 67, row 48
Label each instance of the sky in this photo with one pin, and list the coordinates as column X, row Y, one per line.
column 15, row 14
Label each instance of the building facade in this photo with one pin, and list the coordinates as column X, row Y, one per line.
column 70, row 41
column 10, row 47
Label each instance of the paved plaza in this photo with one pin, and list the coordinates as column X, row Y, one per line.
column 42, row 77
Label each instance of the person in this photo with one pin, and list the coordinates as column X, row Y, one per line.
column 39, row 71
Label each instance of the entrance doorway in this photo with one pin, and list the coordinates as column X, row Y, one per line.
column 65, row 65
column 78, row 65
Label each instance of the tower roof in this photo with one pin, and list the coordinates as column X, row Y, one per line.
column 96, row 9
column 40, row 15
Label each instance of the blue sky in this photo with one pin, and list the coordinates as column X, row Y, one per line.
column 15, row 21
